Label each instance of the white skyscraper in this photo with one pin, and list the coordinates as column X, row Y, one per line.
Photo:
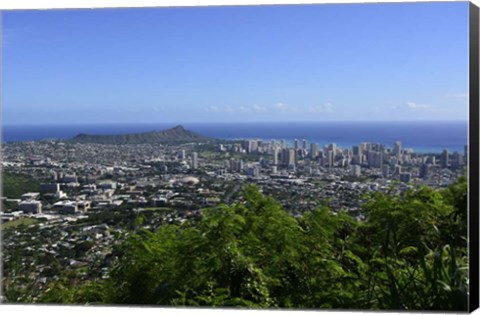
column 397, row 149
column 332, row 147
column 355, row 170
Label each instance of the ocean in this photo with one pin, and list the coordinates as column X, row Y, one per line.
column 423, row 137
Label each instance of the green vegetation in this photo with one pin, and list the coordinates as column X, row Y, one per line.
column 17, row 222
column 15, row 185
column 410, row 254
column 165, row 209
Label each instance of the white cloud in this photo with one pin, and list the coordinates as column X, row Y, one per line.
column 411, row 105
column 258, row 108
column 282, row 107
column 324, row 108
column 327, row 107
column 212, row 108
column 216, row 109
column 415, row 106
column 243, row 109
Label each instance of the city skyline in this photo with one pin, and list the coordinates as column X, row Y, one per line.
column 268, row 63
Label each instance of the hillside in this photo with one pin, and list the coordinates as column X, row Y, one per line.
column 175, row 134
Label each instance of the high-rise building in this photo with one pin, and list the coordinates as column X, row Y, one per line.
column 236, row 165
column 283, row 144
column 397, row 149
column 363, row 147
column 253, row 171
column 313, row 150
column 356, row 150
column 376, row 147
column 250, row 145
column 332, row 147
column 386, row 171
column 246, row 145
column 444, row 159
column 424, row 170
column 295, row 144
column 456, row 160
column 369, row 146
column 194, row 160
column 304, row 145
column 288, row 157
column 465, row 154
column 398, row 170
column 356, row 170
column 356, row 159
column 330, row 158
column 356, row 155
column 291, row 157
column 253, row 146
column 275, row 156
column 375, row 159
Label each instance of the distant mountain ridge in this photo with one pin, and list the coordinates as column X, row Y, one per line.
column 175, row 134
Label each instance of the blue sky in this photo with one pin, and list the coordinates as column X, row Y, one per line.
column 392, row 61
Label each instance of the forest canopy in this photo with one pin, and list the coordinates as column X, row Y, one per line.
column 410, row 253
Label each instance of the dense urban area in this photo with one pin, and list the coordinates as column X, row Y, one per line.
column 69, row 205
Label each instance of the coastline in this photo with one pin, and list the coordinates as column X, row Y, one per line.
column 422, row 136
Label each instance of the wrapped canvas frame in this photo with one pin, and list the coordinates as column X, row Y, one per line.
column 473, row 170
column 474, row 244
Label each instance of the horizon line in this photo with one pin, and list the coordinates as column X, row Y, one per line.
column 236, row 122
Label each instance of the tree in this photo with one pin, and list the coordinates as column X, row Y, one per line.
column 254, row 254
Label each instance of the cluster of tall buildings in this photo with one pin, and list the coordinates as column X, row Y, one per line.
column 389, row 160
column 395, row 161
column 371, row 154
